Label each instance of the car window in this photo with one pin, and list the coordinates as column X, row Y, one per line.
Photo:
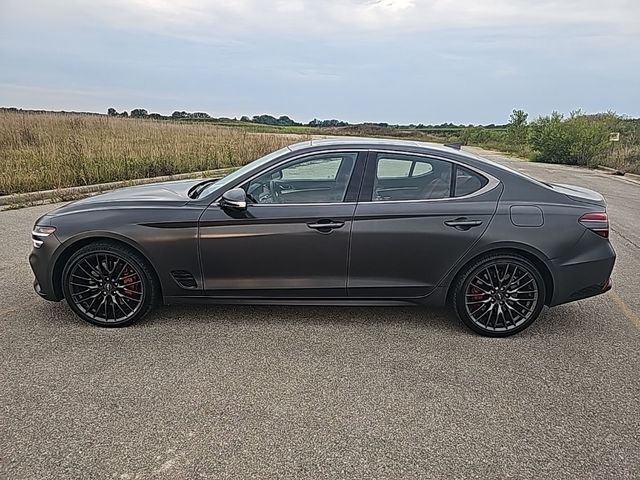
column 320, row 169
column 317, row 179
column 393, row 168
column 421, row 168
column 399, row 168
column 232, row 177
column 468, row 182
column 411, row 178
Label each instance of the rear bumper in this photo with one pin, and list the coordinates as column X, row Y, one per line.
column 586, row 273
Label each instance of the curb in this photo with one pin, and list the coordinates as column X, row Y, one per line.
column 613, row 171
column 632, row 177
column 73, row 193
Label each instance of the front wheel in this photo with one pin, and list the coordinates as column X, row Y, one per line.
column 499, row 295
column 109, row 285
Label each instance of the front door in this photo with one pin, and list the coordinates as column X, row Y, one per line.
column 292, row 240
column 417, row 217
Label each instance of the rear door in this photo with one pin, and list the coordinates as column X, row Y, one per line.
column 417, row 215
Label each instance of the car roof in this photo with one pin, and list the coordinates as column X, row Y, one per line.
column 364, row 142
column 483, row 163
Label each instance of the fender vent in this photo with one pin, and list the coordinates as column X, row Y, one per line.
column 184, row 278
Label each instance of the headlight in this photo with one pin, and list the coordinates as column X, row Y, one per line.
column 39, row 233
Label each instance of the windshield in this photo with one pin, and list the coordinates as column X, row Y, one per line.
column 232, row 177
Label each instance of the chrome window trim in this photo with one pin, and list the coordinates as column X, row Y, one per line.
column 293, row 159
column 491, row 184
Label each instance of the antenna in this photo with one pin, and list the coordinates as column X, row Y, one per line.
column 455, row 145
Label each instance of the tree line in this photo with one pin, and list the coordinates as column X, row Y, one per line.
column 282, row 121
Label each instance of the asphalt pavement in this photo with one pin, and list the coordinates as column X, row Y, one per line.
column 323, row 392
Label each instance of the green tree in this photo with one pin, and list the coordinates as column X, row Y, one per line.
column 139, row 113
column 550, row 139
column 517, row 127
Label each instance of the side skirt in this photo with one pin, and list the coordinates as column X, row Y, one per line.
column 288, row 301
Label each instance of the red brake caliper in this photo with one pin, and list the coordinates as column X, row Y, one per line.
column 477, row 294
column 130, row 277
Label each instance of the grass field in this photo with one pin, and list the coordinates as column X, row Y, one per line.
column 48, row 151
column 42, row 151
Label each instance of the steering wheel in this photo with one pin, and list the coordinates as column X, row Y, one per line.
column 274, row 188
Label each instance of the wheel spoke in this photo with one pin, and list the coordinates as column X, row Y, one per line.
column 481, row 289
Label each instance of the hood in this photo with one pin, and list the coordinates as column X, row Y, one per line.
column 580, row 194
column 141, row 195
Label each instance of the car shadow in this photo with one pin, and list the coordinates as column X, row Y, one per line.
column 439, row 319
column 564, row 320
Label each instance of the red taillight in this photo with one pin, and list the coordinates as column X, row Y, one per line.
column 594, row 217
column 597, row 222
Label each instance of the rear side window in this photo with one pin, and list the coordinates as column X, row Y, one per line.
column 468, row 182
column 407, row 177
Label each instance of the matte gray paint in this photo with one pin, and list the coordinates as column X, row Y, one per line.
column 526, row 216
column 384, row 253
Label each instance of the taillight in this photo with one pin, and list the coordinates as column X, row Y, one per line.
column 597, row 222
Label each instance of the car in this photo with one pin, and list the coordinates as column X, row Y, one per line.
column 333, row 221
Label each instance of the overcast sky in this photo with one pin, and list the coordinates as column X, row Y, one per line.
column 397, row 61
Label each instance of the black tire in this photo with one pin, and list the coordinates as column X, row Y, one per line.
column 90, row 276
column 504, row 290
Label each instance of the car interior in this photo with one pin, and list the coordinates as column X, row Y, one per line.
column 402, row 178
column 320, row 179
column 324, row 179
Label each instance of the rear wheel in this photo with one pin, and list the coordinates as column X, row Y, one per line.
column 109, row 285
column 499, row 295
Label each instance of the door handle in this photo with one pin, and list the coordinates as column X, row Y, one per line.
column 325, row 225
column 463, row 223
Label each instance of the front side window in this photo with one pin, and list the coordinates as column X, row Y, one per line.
column 317, row 179
column 405, row 177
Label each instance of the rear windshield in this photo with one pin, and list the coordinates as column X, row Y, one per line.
column 512, row 171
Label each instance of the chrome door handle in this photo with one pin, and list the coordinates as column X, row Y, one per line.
column 463, row 223
column 329, row 225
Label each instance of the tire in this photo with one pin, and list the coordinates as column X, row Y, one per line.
column 499, row 295
column 109, row 284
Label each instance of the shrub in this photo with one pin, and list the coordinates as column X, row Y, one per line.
column 517, row 128
column 577, row 140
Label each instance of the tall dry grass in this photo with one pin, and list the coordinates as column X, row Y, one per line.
column 47, row 151
column 625, row 158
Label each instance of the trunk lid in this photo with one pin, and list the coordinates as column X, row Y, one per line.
column 579, row 194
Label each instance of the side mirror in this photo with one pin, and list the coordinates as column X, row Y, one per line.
column 236, row 198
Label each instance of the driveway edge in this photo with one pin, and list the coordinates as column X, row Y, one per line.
column 73, row 193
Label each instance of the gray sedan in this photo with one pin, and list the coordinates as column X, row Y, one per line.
column 352, row 221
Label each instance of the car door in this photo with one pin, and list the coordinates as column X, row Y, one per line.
column 292, row 241
column 417, row 215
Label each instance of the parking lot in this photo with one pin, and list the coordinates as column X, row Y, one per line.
column 323, row 392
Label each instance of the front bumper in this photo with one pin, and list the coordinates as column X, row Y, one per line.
column 42, row 262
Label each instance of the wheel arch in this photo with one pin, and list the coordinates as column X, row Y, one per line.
column 72, row 246
column 533, row 256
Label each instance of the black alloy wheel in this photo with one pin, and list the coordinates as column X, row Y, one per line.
column 109, row 285
column 499, row 295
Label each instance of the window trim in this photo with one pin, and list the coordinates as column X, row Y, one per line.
column 454, row 181
column 370, row 174
column 355, row 172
